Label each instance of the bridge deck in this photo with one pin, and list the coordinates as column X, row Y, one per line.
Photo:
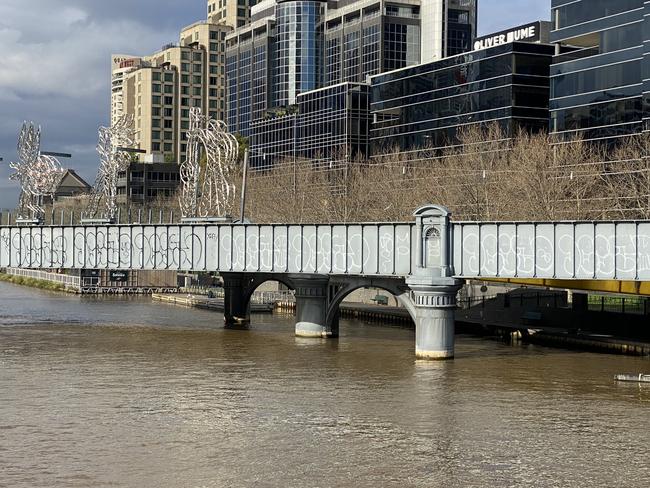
column 607, row 251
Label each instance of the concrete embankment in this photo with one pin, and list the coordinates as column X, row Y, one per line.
column 587, row 342
column 199, row 301
column 368, row 312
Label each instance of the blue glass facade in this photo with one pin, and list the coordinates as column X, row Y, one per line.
column 597, row 83
column 298, row 49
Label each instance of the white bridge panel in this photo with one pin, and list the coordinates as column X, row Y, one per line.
column 546, row 250
column 561, row 250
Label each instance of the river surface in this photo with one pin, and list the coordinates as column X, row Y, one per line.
column 126, row 393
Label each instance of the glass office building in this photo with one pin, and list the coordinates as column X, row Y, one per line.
column 298, row 53
column 600, row 81
column 370, row 39
column 295, row 46
column 329, row 125
column 424, row 106
column 248, row 55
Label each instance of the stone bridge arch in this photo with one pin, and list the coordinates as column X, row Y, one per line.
column 340, row 288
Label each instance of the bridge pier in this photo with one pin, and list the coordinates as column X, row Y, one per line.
column 236, row 307
column 311, row 306
column 435, row 314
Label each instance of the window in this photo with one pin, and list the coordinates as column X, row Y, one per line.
column 168, row 147
column 156, row 76
column 155, row 134
column 155, row 99
column 198, row 56
column 185, row 67
column 168, row 135
column 155, row 123
column 169, row 77
column 197, row 91
column 185, row 56
column 155, row 111
column 155, row 88
column 185, row 90
column 155, row 146
column 168, row 112
column 197, row 68
column 169, row 88
column 168, row 124
column 214, row 80
column 169, row 100
column 185, row 113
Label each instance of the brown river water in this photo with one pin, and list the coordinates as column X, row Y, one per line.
column 126, row 393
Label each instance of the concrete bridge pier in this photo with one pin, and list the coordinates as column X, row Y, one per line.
column 312, row 306
column 435, row 313
column 236, row 306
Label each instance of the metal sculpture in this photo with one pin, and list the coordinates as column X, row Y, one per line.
column 207, row 188
column 37, row 173
column 113, row 158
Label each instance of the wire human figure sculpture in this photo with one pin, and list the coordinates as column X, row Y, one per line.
column 112, row 159
column 209, row 190
column 37, row 173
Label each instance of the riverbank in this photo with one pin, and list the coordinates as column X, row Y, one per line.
column 35, row 283
column 205, row 303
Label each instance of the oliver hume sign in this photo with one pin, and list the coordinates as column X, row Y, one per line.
column 525, row 33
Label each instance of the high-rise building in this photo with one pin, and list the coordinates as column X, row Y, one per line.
column 235, row 13
column 121, row 64
column 424, row 106
column 294, row 46
column 600, row 79
column 159, row 90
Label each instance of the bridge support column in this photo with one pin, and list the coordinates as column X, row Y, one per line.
column 236, row 308
column 435, row 314
column 311, row 305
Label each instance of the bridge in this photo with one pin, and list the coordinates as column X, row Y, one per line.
column 422, row 263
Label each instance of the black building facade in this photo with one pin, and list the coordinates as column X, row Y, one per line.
column 600, row 89
column 424, row 106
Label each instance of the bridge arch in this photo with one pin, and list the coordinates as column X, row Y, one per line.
column 340, row 289
column 256, row 281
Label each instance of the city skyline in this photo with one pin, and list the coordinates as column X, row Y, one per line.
column 58, row 74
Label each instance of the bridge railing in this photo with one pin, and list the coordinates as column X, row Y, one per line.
column 64, row 279
column 260, row 297
column 125, row 216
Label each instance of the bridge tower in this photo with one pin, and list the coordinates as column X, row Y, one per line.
column 433, row 288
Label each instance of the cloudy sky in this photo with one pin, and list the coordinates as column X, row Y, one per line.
column 55, row 67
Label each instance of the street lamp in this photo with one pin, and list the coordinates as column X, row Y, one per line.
column 56, row 154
